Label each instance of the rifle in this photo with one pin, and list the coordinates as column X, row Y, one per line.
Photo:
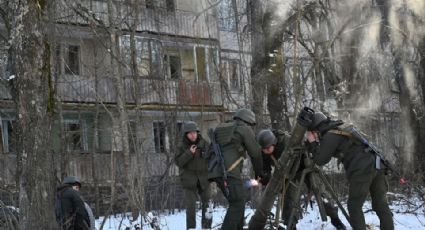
column 379, row 156
column 218, row 160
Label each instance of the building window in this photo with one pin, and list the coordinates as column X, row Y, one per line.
column 213, row 65
column 148, row 63
column 170, row 5
column 72, row 60
column 75, row 135
column 68, row 59
column 188, row 63
column 226, row 16
column 234, row 79
column 173, row 65
column 159, row 136
column 8, row 134
column 200, row 63
column 230, row 72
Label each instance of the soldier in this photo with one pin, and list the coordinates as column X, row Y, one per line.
column 235, row 138
column 191, row 160
column 329, row 140
column 272, row 145
column 70, row 209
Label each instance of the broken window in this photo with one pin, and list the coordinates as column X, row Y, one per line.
column 175, row 67
column 8, row 135
column 172, row 63
column 159, row 136
column 74, row 135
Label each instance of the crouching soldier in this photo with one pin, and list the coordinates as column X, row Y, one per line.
column 272, row 145
column 191, row 160
column 329, row 140
column 70, row 209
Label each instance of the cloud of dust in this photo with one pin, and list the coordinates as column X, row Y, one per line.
column 371, row 32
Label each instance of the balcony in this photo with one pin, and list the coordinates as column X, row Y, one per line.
column 146, row 91
column 158, row 20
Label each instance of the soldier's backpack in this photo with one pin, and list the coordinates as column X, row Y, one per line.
column 222, row 135
column 216, row 167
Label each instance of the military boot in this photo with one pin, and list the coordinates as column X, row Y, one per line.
column 337, row 223
column 206, row 223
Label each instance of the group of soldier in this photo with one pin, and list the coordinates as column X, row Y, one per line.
column 235, row 138
column 325, row 139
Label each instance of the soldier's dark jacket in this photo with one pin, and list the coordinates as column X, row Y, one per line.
column 358, row 163
column 193, row 167
column 268, row 161
column 235, row 139
column 363, row 177
column 73, row 213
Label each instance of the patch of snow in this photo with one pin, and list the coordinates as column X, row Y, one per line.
column 311, row 219
column 11, row 77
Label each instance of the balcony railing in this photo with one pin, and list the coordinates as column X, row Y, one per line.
column 140, row 91
column 158, row 20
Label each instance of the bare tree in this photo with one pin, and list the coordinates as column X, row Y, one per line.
column 32, row 90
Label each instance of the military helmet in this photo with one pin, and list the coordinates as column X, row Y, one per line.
column 190, row 126
column 318, row 118
column 72, row 180
column 245, row 115
column 266, row 138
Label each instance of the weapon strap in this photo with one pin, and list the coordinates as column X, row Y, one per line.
column 347, row 146
column 340, row 132
column 236, row 163
column 274, row 160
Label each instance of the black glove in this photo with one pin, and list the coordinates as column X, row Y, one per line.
column 265, row 179
column 259, row 176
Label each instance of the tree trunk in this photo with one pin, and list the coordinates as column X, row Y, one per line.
column 255, row 11
column 119, row 85
column 420, row 162
column 276, row 95
column 95, row 144
column 137, row 175
column 32, row 91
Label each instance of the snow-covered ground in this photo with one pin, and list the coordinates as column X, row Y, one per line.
column 311, row 220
